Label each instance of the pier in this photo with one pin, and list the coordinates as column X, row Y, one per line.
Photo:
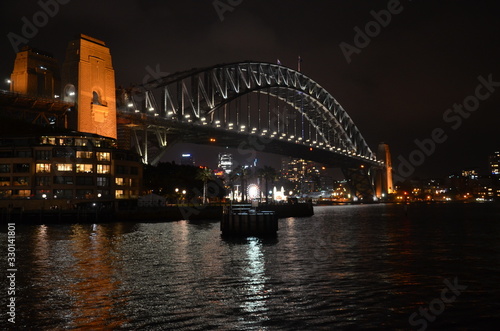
column 243, row 220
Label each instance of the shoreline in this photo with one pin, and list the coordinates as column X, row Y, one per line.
column 160, row 214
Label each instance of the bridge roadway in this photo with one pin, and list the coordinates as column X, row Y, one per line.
column 244, row 141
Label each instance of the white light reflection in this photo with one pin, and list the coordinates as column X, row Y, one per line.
column 255, row 280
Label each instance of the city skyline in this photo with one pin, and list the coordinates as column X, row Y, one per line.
column 400, row 81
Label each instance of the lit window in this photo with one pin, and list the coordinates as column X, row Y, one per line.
column 21, row 181
column 84, row 155
column 81, row 142
column 4, row 181
column 65, row 141
column 103, row 156
column 84, row 168
column 5, row 194
column 64, row 167
column 119, row 194
column 42, row 167
column 119, row 181
column 103, row 168
column 22, row 193
column 48, row 140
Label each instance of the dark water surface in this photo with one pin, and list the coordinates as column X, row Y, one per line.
column 348, row 267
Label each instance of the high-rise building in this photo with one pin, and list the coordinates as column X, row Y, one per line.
column 495, row 163
column 187, row 159
column 225, row 162
column 306, row 174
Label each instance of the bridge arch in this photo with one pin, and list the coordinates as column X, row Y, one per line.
column 196, row 96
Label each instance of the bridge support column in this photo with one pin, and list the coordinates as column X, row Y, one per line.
column 151, row 151
column 384, row 184
column 361, row 182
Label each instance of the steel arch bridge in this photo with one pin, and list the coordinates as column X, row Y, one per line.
column 247, row 105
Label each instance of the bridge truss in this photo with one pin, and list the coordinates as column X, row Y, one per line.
column 287, row 111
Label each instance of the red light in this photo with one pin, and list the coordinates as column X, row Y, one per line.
column 310, row 148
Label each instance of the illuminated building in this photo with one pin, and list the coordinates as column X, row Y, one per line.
column 187, row 159
column 304, row 174
column 225, row 162
column 470, row 173
column 60, row 169
column 495, row 163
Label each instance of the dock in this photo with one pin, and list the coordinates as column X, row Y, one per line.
column 243, row 220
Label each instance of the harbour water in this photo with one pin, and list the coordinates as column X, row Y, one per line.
column 381, row 266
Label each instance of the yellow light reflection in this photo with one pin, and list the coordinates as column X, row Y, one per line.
column 95, row 286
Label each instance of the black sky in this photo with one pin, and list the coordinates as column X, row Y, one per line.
column 396, row 89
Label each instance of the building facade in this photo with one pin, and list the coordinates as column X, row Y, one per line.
column 61, row 170
column 495, row 164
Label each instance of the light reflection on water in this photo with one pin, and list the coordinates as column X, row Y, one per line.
column 366, row 266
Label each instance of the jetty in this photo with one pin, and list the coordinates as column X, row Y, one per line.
column 245, row 220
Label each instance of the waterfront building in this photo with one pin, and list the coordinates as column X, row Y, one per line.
column 59, row 169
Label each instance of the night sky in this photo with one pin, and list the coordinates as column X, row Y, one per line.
column 397, row 87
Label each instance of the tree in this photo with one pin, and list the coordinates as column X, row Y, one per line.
column 231, row 180
column 268, row 174
column 205, row 174
column 243, row 173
